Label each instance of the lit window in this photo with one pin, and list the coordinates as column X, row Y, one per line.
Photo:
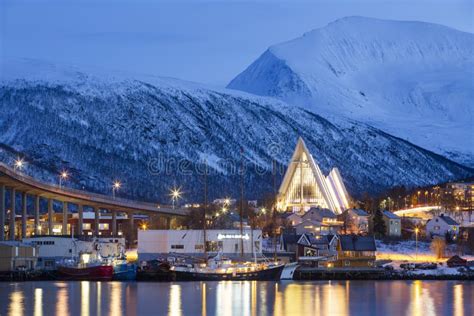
column 103, row 226
column 86, row 226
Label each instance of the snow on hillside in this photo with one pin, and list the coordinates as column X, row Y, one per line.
column 411, row 79
column 153, row 133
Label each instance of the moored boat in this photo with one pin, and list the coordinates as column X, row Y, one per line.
column 85, row 273
column 124, row 271
column 235, row 273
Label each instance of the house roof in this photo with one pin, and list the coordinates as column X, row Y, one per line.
column 322, row 212
column 357, row 243
column 290, row 239
column 359, row 212
column 390, row 215
column 309, row 221
column 448, row 220
column 316, row 240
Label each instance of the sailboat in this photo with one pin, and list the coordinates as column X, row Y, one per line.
column 220, row 268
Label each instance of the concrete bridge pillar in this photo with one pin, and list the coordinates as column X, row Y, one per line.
column 12, row 213
column 80, row 222
column 37, row 229
column 131, row 228
column 114, row 223
column 96, row 221
column 2, row 212
column 65, row 215
column 50, row 216
column 24, row 215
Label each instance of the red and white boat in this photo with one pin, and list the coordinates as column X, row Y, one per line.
column 86, row 273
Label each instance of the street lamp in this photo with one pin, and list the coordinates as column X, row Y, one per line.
column 416, row 242
column 63, row 176
column 115, row 187
column 175, row 195
column 19, row 163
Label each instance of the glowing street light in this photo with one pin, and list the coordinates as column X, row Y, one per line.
column 115, row 187
column 227, row 201
column 175, row 195
column 144, row 226
column 417, row 230
column 263, row 210
column 19, row 164
column 63, row 177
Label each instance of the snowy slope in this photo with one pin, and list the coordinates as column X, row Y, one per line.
column 152, row 133
column 414, row 80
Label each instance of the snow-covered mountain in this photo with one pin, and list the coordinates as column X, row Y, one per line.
column 414, row 80
column 152, row 133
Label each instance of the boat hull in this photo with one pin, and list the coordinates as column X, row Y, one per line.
column 125, row 272
column 97, row 273
column 270, row 274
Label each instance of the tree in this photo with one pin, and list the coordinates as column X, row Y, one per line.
column 438, row 246
column 379, row 224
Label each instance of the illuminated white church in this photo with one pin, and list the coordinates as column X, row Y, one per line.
column 304, row 185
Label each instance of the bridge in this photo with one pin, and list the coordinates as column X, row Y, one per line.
column 416, row 210
column 19, row 183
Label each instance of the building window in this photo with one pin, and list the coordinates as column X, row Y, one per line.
column 103, row 226
column 177, row 246
column 86, row 226
column 213, row 246
column 347, row 263
column 199, row 247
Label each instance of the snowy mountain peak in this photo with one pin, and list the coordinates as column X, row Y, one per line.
column 411, row 79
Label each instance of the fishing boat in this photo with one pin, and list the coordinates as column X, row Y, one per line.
column 84, row 269
column 85, row 273
column 124, row 271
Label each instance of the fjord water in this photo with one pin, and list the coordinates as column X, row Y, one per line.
column 238, row 298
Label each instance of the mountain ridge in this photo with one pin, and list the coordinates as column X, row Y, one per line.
column 144, row 133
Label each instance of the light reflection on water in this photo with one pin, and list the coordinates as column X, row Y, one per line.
column 423, row 298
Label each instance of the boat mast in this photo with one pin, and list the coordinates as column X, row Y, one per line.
column 241, row 202
column 274, row 210
column 205, row 211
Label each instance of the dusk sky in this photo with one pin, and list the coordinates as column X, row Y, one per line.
column 202, row 41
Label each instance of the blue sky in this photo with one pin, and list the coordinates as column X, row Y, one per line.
column 202, row 41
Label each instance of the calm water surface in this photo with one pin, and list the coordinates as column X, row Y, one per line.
column 423, row 298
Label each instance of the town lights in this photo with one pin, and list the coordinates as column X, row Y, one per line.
column 115, row 187
column 227, row 201
column 263, row 210
column 144, row 226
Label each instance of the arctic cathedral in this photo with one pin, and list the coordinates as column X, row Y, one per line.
column 304, row 185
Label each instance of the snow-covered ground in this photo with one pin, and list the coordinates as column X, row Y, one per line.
column 408, row 252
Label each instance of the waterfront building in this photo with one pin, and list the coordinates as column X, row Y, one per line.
column 355, row 221
column 15, row 255
column 355, row 251
column 304, row 185
column 156, row 243
column 52, row 249
column 442, row 224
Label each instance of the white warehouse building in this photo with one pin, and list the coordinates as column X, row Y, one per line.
column 159, row 243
